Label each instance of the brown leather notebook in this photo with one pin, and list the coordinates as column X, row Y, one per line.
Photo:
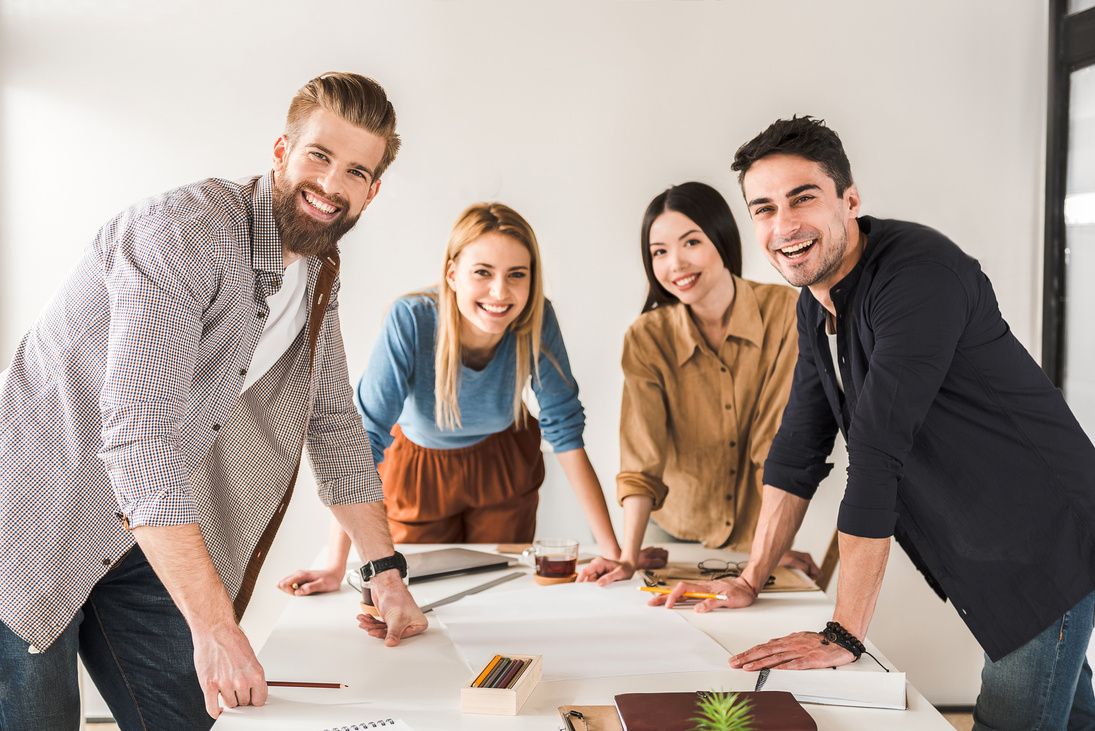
column 772, row 710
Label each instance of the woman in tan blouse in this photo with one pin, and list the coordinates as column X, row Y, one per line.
column 707, row 372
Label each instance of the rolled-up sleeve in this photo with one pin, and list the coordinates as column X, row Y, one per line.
column 643, row 427
column 386, row 383
column 157, row 281
column 338, row 445
column 798, row 458
column 562, row 418
column 917, row 317
column 774, row 390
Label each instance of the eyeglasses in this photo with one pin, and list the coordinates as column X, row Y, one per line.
column 717, row 568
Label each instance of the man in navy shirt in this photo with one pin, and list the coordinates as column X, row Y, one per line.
column 958, row 444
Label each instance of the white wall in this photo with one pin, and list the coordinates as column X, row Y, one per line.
column 576, row 112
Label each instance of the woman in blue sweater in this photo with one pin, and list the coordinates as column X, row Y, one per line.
column 442, row 401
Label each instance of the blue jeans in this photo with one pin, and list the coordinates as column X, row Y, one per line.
column 135, row 645
column 1045, row 685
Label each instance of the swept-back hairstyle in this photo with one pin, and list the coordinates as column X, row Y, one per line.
column 475, row 222
column 708, row 210
column 357, row 99
column 805, row 137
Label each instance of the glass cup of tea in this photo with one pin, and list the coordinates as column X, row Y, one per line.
column 555, row 559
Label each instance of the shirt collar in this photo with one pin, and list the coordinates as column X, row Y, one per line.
column 266, row 255
column 840, row 292
column 746, row 323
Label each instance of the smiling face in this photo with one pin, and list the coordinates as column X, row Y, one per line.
column 323, row 180
column 805, row 229
column 684, row 260
column 490, row 278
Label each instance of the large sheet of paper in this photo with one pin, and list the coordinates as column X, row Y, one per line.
column 863, row 684
column 582, row 630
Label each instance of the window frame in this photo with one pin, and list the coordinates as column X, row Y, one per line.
column 1071, row 48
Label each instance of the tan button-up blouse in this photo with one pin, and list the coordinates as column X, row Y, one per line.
column 696, row 425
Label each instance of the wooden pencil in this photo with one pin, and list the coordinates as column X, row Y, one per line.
column 486, row 671
column 297, row 684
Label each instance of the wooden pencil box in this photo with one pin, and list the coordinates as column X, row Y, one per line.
column 503, row 701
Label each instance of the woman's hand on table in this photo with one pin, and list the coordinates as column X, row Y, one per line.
column 804, row 562
column 737, row 593
column 604, row 571
column 798, row 651
column 303, row 583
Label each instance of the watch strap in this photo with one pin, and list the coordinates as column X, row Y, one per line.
column 395, row 561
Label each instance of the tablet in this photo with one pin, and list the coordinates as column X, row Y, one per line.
column 444, row 562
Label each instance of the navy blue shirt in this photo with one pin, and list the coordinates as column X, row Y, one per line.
column 958, row 443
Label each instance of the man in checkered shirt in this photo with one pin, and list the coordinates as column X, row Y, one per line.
column 152, row 422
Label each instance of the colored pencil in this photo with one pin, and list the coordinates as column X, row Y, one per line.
column 486, row 671
column 499, row 670
column 521, row 665
column 689, row 594
column 295, row 684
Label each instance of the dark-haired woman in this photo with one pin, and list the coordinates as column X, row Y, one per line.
column 707, row 372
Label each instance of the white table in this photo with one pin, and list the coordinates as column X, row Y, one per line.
column 317, row 639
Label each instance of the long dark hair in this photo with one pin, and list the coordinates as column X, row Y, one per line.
column 708, row 210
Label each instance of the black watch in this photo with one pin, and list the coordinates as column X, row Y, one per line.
column 396, row 561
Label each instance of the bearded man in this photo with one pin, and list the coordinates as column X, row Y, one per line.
column 152, row 424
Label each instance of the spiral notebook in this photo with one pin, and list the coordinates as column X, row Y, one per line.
column 386, row 723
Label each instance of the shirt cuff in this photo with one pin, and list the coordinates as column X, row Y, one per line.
column 636, row 483
column 175, row 507
column 566, row 445
column 800, row 481
column 866, row 522
column 361, row 487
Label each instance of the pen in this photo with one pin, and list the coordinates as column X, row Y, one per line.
column 295, row 684
column 689, row 594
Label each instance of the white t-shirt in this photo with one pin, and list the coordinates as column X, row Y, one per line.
column 288, row 313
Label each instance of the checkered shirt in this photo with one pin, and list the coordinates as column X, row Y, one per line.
column 120, row 389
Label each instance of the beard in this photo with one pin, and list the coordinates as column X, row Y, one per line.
column 830, row 259
column 299, row 232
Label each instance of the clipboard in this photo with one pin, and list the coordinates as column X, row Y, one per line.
column 590, row 718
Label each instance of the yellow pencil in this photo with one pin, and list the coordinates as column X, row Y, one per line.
column 689, row 594
column 486, row 671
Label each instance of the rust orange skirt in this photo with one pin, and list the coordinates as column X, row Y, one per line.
column 485, row 493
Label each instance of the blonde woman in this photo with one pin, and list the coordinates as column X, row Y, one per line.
column 441, row 399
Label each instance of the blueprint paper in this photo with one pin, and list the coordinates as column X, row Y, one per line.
column 582, row 630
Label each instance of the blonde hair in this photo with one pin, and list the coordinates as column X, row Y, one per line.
column 357, row 99
column 474, row 223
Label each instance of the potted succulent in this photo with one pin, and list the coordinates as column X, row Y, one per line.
column 724, row 712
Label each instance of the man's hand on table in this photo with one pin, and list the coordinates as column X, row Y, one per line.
column 799, row 651
column 399, row 618
column 303, row 583
column 737, row 593
column 653, row 557
column 226, row 665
